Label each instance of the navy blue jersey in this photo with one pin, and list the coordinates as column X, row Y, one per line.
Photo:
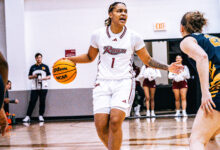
column 42, row 67
column 211, row 46
column 41, row 71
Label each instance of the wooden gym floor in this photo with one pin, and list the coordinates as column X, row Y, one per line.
column 139, row 134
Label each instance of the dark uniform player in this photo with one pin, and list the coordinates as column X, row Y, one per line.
column 205, row 50
column 139, row 93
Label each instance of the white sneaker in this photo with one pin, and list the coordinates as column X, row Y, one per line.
column 137, row 110
column 177, row 113
column 41, row 119
column 26, row 119
column 148, row 113
column 41, row 124
column 137, row 113
column 152, row 114
column 184, row 113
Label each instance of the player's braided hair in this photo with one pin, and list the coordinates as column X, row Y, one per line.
column 193, row 22
column 110, row 9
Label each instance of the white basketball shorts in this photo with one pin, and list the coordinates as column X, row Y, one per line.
column 117, row 94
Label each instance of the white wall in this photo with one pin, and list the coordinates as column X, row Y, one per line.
column 16, row 56
column 51, row 26
column 160, row 54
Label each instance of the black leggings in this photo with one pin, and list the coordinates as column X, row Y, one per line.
column 2, row 91
column 34, row 96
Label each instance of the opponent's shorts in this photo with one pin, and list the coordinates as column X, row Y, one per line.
column 2, row 91
column 150, row 84
column 179, row 85
column 113, row 94
column 216, row 99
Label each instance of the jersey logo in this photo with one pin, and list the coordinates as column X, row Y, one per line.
column 115, row 39
column 113, row 51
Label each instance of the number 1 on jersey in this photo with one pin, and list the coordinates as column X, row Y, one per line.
column 113, row 61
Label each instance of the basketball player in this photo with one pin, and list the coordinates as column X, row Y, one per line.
column 112, row 95
column 3, row 82
column 149, row 84
column 205, row 50
column 180, row 86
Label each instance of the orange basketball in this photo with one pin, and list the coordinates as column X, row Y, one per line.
column 64, row 71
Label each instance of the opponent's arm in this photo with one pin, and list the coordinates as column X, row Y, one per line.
column 85, row 58
column 190, row 46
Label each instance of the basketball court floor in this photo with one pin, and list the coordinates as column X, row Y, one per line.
column 139, row 134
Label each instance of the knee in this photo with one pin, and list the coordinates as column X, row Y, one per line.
column 147, row 99
column 115, row 124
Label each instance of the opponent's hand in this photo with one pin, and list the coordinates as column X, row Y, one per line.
column 207, row 102
column 175, row 68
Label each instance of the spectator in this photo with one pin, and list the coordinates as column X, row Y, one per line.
column 149, row 84
column 39, row 74
column 7, row 100
column 180, row 87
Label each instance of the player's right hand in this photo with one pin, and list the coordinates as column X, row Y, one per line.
column 207, row 103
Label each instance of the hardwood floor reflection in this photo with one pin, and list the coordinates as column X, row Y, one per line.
column 139, row 134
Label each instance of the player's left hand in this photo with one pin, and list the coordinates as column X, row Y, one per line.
column 175, row 68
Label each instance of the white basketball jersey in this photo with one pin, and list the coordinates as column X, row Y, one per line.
column 116, row 52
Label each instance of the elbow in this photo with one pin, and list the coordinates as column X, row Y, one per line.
column 90, row 59
column 202, row 57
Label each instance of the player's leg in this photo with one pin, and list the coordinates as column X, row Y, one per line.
column 101, row 110
column 115, row 129
column 102, row 127
column 122, row 98
column 204, row 127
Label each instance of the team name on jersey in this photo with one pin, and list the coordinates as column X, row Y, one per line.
column 114, row 51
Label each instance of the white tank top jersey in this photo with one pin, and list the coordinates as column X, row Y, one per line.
column 116, row 52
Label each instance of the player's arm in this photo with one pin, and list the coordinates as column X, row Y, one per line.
column 149, row 61
column 86, row 58
column 190, row 46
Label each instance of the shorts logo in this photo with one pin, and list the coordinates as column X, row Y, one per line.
column 124, row 101
column 113, row 51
